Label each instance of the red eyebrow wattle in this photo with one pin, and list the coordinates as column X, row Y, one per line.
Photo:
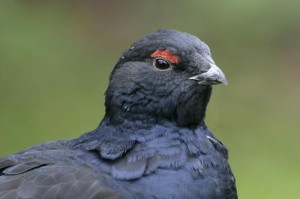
column 170, row 57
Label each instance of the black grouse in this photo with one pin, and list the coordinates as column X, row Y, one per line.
column 152, row 141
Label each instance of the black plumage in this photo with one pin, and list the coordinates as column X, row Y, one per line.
column 152, row 142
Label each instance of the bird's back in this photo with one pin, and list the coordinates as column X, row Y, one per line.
column 51, row 170
column 176, row 164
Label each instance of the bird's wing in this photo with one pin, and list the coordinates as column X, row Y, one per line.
column 39, row 174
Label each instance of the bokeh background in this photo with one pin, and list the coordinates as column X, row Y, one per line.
column 56, row 56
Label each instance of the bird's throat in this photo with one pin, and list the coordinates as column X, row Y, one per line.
column 189, row 111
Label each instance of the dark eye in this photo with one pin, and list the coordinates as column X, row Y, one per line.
column 162, row 64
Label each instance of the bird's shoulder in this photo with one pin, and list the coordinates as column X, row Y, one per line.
column 51, row 170
column 191, row 158
column 108, row 163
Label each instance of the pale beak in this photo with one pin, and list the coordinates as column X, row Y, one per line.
column 212, row 76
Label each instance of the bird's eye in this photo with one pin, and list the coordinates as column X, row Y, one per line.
column 162, row 64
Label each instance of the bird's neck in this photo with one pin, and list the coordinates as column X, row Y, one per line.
column 147, row 110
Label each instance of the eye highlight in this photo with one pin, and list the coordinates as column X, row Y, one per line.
column 161, row 64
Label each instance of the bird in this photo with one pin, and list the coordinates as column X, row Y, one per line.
column 152, row 141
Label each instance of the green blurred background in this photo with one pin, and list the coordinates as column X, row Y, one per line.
column 56, row 56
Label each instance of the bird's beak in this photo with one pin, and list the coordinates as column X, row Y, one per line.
column 212, row 76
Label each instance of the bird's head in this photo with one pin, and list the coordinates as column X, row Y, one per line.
column 167, row 75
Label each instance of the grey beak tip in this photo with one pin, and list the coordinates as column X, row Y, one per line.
column 225, row 82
